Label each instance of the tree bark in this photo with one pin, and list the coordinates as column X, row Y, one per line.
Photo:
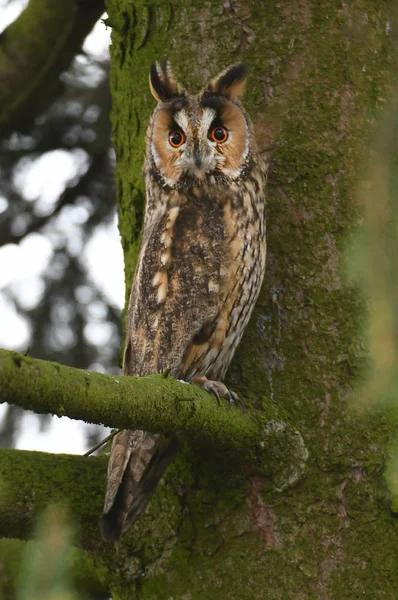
column 319, row 74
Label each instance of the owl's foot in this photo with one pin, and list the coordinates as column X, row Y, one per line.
column 218, row 389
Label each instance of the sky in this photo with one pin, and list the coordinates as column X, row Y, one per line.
column 22, row 265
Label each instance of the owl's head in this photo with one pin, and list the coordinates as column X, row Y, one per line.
column 204, row 138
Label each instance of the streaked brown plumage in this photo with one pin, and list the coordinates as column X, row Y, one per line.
column 200, row 267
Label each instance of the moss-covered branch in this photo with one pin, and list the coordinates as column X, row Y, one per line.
column 29, row 481
column 155, row 403
column 35, row 50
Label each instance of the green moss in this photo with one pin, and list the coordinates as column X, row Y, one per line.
column 32, row 479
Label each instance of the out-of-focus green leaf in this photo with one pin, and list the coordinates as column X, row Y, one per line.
column 46, row 569
column 374, row 264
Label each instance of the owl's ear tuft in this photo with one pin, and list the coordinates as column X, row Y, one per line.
column 162, row 83
column 231, row 82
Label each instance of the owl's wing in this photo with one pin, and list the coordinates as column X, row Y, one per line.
column 137, row 462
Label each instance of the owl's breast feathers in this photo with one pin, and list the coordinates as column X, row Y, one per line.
column 198, row 276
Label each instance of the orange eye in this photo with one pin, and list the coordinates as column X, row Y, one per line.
column 219, row 135
column 176, row 139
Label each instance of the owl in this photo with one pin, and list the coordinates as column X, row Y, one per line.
column 200, row 266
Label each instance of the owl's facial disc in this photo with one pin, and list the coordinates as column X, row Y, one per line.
column 193, row 140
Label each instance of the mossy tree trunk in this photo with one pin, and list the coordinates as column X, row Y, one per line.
column 319, row 71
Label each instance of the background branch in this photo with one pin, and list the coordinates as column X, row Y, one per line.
column 98, row 162
column 32, row 480
column 34, row 50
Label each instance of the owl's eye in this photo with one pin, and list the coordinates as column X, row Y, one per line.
column 219, row 135
column 176, row 139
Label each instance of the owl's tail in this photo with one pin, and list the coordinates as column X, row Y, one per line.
column 137, row 463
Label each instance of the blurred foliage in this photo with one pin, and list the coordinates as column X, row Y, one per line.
column 70, row 319
column 48, row 567
column 374, row 264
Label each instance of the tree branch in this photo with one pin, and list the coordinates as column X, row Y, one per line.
column 31, row 480
column 157, row 404
column 68, row 196
column 153, row 403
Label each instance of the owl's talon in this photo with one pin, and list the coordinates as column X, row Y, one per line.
column 209, row 386
column 218, row 389
column 213, row 390
column 238, row 400
column 233, row 398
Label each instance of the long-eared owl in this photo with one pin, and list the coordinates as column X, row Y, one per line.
column 200, row 267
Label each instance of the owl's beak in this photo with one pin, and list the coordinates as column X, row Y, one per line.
column 196, row 156
column 196, row 161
